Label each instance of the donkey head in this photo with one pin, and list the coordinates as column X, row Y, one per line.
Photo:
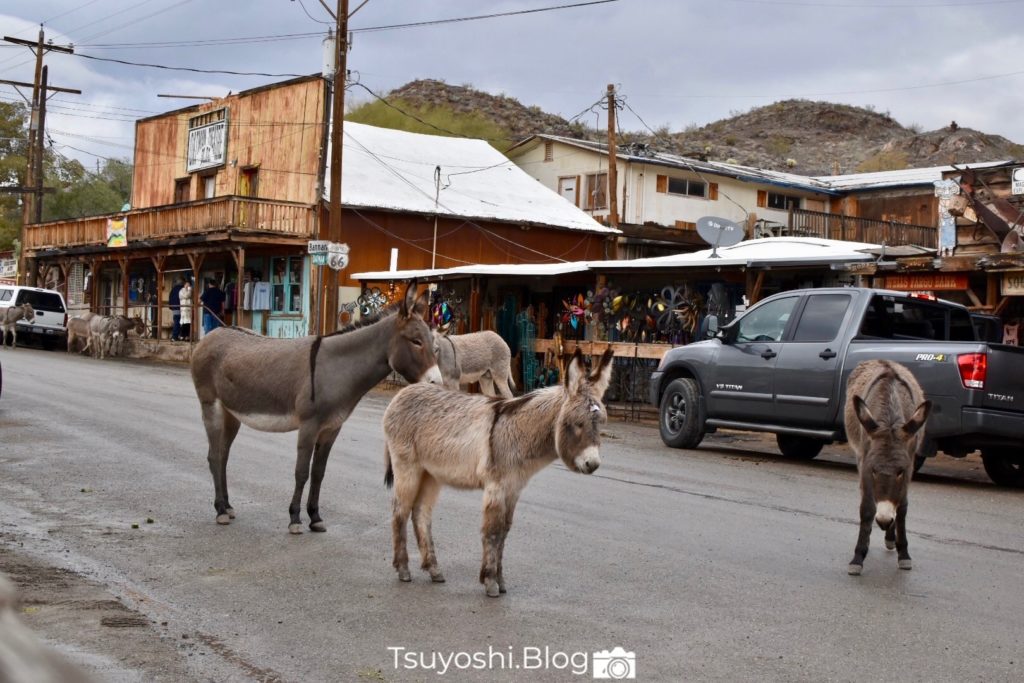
column 889, row 457
column 28, row 313
column 139, row 325
column 411, row 349
column 578, row 427
column 447, row 359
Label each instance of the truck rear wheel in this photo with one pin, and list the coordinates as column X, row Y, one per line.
column 799, row 447
column 679, row 416
column 1004, row 466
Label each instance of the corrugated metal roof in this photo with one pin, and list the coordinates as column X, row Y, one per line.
column 902, row 178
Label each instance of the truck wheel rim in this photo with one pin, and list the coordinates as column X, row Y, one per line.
column 675, row 414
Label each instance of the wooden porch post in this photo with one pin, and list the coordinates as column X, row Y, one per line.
column 158, row 265
column 992, row 291
column 755, row 281
column 196, row 262
column 239, row 255
column 94, row 285
column 123, row 261
column 474, row 304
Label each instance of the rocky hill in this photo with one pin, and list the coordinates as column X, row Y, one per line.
column 802, row 136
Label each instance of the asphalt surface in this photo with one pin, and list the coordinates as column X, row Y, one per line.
column 723, row 563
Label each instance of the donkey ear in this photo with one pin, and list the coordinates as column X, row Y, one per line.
column 409, row 300
column 422, row 305
column 864, row 415
column 601, row 377
column 918, row 419
column 576, row 372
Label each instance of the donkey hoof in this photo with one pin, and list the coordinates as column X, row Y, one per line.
column 404, row 576
column 295, row 528
column 854, row 569
column 492, row 590
column 905, row 564
column 317, row 526
column 502, row 589
column 437, row 577
column 231, row 512
column 890, row 545
column 224, row 519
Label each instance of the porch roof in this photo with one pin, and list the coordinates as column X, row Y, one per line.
column 500, row 269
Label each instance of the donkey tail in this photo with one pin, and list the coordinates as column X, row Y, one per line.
column 389, row 473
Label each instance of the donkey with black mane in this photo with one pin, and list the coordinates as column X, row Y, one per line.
column 435, row 437
column 311, row 384
column 9, row 318
column 885, row 415
column 482, row 357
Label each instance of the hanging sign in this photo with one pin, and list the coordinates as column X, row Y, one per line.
column 337, row 256
column 1013, row 284
column 1017, row 180
column 206, row 146
column 117, row 232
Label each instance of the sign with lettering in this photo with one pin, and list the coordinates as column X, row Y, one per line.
column 1013, row 284
column 1017, row 180
column 926, row 282
column 8, row 268
column 207, row 146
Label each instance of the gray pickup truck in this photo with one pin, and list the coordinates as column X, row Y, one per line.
column 782, row 368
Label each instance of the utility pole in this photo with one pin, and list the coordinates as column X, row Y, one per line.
column 613, row 197
column 330, row 317
column 34, row 154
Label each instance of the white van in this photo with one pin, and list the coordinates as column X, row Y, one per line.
column 50, row 328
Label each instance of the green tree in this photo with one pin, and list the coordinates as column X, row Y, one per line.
column 13, row 139
column 83, row 193
column 436, row 120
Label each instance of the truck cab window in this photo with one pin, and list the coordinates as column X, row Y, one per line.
column 766, row 323
column 822, row 317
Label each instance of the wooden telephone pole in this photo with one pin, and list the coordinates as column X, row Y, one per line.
column 613, row 148
column 32, row 195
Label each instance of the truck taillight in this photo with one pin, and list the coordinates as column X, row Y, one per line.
column 973, row 368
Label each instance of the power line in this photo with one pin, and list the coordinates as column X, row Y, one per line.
column 319, row 21
column 436, row 22
column 137, row 21
column 188, row 68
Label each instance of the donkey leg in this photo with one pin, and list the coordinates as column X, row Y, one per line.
column 422, row 513
column 213, row 421
column 487, row 385
column 493, row 532
column 320, row 454
column 867, row 517
column 510, row 509
column 231, row 425
column 407, row 486
column 902, row 552
column 890, row 537
column 502, row 386
column 304, row 453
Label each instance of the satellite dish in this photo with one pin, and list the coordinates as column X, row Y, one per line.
column 719, row 232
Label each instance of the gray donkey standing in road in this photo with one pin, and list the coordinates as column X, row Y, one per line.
column 885, row 415
column 436, row 436
column 9, row 318
column 475, row 357
column 311, row 384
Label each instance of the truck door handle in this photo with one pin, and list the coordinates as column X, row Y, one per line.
column 768, row 354
column 827, row 354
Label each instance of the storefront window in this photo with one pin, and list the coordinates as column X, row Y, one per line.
column 287, row 284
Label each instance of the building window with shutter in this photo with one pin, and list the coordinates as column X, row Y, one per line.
column 785, row 202
column 597, row 191
column 181, row 190
column 549, row 151
column 689, row 188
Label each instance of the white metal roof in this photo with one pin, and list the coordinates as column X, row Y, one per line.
column 507, row 269
column 761, row 252
column 395, row 170
column 901, row 178
column 780, row 250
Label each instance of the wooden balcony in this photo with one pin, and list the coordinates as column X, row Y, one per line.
column 220, row 214
column 834, row 226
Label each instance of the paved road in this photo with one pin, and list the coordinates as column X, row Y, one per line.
column 724, row 563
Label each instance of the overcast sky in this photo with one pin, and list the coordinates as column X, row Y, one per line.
column 677, row 62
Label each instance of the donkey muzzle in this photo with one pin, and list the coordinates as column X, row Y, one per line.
column 885, row 514
column 433, row 376
column 587, row 461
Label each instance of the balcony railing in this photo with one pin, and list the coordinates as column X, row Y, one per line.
column 835, row 226
column 239, row 214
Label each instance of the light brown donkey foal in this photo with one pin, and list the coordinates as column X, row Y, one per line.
column 436, row 436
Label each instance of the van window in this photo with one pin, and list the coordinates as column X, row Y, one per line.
column 6, row 294
column 43, row 301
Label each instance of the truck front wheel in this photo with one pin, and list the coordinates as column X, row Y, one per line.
column 679, row 420
column 1005, row 466
column 799, row 447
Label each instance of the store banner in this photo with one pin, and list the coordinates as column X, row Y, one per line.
column 117, row 232
column 1013, row 284
column 927, row 282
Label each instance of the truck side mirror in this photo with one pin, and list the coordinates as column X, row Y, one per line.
column 709, row 327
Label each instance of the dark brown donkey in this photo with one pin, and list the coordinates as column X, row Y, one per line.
column 310, row 384
column 885, row 413
column 436, row 436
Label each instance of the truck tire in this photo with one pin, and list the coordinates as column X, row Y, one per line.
column 799, row 447
column 679, row 417
column 1004, row 466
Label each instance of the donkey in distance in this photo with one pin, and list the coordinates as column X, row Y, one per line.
column 476, row 357
column 9, row 318
column 311, row 384
column 437, row 437
column 885, row 414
